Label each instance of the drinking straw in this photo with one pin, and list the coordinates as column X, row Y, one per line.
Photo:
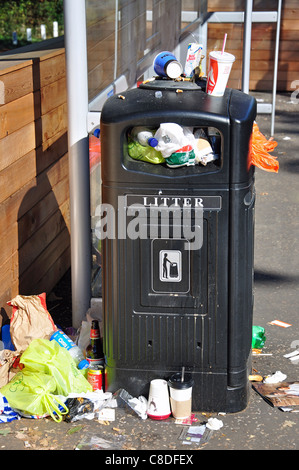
column 183, row 372
column 224, row 42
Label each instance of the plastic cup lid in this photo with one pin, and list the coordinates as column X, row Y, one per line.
column 175, row 381
column 225, row 57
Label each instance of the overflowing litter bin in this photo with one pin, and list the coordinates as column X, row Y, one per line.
column 177, row 245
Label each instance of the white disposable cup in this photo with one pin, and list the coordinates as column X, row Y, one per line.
column 158, row 400
column 220, row 65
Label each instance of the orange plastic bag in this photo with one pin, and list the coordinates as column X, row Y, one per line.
column 259, row 148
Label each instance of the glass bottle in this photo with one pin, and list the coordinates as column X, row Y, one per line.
column 94, row 351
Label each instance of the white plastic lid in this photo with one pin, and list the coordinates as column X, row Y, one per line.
column 225, row 57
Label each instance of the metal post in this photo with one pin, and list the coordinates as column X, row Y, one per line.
column 275, row 66
column 78, row 148
column 246, row 46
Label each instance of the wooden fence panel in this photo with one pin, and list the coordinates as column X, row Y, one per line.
column 34, row 180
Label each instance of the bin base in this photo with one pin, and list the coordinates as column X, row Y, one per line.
column 210, row 391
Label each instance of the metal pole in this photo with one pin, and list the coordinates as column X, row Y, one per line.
column 78, row 148
column 275, row 67
column 246, row 46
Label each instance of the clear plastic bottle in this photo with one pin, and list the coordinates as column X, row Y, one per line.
column 65, row 342
column 144, row 136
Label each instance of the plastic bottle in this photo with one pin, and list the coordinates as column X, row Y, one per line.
column 65, row 342
column 94, row 351
column 144, row 136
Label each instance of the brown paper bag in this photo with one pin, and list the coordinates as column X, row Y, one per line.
column 30, row 320
column 9, row 365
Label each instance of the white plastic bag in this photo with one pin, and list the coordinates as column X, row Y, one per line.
column 172, row 137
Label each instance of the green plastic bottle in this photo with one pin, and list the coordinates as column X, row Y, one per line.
column 258, row 337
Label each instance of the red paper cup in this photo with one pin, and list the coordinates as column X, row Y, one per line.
column 220, row 65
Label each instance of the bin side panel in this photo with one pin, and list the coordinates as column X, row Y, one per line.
column 241, row 258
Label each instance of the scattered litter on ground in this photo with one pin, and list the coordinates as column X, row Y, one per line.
column 192, row 434
column 283, row 395
column 95, row 442
column 258, row 337
column 75, row 429
column 7, row 414
column 280, row 323
column 255, row 378
column 125, row 400
column 61, row 403
column 258, row 352
column 293, row 356
column 214, row 424
column 275, row 378
column 200, row 434
column 186, row 421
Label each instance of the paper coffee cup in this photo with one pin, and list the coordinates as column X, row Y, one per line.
column 166, row 65
column 158, row 400
column 181, row 395
column 220, row 65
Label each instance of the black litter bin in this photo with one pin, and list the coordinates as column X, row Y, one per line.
column 198, row 314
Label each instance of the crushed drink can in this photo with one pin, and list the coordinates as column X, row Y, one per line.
column 95, row 377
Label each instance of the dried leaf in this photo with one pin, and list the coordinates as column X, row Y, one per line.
column 75, row 429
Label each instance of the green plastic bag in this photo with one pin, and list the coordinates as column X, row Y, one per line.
column 258, row 337
column 32, row 394
column 48, row 357
column 147, row 154
column 49, row 371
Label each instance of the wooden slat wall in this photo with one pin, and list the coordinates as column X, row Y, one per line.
column 34, row 190
column 263, row 44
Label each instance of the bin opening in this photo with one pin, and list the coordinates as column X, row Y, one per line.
column 170, row 149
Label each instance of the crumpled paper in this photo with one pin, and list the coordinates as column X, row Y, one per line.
column 214, row 424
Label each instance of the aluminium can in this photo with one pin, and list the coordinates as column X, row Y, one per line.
column 95, row 377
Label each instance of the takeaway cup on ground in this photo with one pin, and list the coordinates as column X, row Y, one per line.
column 181, row 395
column 220, row 64
column 158, row 400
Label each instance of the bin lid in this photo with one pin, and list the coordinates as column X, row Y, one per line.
column 160, row 83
